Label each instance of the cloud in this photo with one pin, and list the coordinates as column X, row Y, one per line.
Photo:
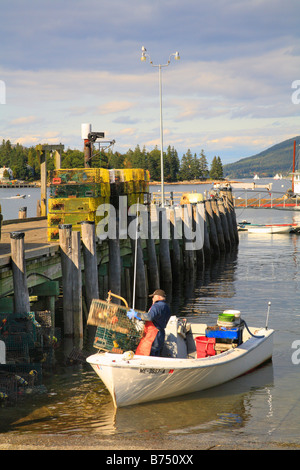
column 23, row 120
column 113, row 107
column 128, row 131
column 64, row 63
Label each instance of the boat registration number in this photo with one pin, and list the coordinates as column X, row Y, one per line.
column 151, row 371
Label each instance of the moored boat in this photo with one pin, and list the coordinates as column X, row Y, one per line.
column 268, row 228
column 186, row 367
column 18, row 196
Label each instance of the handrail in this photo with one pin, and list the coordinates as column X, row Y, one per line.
column 259, row 199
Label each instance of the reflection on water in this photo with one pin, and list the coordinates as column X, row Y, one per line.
column 77, row 403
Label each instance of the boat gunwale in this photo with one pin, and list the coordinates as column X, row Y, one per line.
column 151, row 362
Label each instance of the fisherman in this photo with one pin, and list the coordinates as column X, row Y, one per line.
column 156, row 320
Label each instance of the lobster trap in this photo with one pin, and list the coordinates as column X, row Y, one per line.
column 115, row 332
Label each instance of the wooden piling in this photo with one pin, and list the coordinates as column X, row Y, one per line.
column 229, row 221
column 90, row 262
column 164, row 252
column 21, row 296
column 234, row 222
column 219, row 228
column 187, row 254
column 153, row 272
column 70, row 279
column 213, row 237
column 23, row 213
column 38, row 208
column 224, row 224
column 43, row 172
column 199, row 225
column 228, row 201
column 65, row 242
column 139, row 295
column 176, row 261
column 77, row 285
column 115, row 265
column 206, row 242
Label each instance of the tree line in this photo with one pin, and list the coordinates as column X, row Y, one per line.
column 24, row 162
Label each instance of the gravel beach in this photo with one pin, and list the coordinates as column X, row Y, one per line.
column 152, row 442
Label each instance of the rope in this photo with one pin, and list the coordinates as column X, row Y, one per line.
column 254, row 336
column 135, row 258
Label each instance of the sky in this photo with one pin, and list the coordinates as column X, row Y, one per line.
column 68, row 62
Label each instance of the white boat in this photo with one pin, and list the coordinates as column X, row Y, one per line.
column 18, row 196
column 268, row 228
column 140, row 379
column 277, row 228
column 256, row 177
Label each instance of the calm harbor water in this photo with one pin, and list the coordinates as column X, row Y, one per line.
column 10, row 206
column 263, row 404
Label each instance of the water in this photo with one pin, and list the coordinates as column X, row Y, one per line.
column 10, row 207
column 262, row 405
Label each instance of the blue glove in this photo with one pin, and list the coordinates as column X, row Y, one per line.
column 132, row 314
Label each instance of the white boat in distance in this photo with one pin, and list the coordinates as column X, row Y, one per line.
column 18, row 196
column 140, row 379
column 275, row 228
column 268, row 228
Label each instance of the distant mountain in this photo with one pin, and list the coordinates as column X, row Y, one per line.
column 276, row 159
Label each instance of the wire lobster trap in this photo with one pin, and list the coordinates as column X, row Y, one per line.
column 115, row 332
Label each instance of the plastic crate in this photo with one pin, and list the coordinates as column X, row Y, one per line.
column 233, row 334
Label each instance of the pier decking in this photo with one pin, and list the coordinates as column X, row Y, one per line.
column 35, row 234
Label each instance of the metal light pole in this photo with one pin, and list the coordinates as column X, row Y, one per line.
column 144, row 58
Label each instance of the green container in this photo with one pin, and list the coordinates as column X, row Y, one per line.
column 226, row 317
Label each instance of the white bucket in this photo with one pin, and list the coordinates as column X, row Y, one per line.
column 236, row 313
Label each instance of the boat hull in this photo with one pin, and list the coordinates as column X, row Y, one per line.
column 145, row 378
column 270, row 229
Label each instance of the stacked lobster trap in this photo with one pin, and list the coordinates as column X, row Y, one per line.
column 130, row 182
column 75, row 194
column 30, row 340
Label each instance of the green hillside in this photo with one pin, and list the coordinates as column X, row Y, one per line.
column 276, row 159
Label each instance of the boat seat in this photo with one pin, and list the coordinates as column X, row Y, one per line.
column 175, row 338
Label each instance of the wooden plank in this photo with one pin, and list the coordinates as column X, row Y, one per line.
column 48, row 288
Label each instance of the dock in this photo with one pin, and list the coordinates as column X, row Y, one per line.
column 46, row 288
column 161, row 258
